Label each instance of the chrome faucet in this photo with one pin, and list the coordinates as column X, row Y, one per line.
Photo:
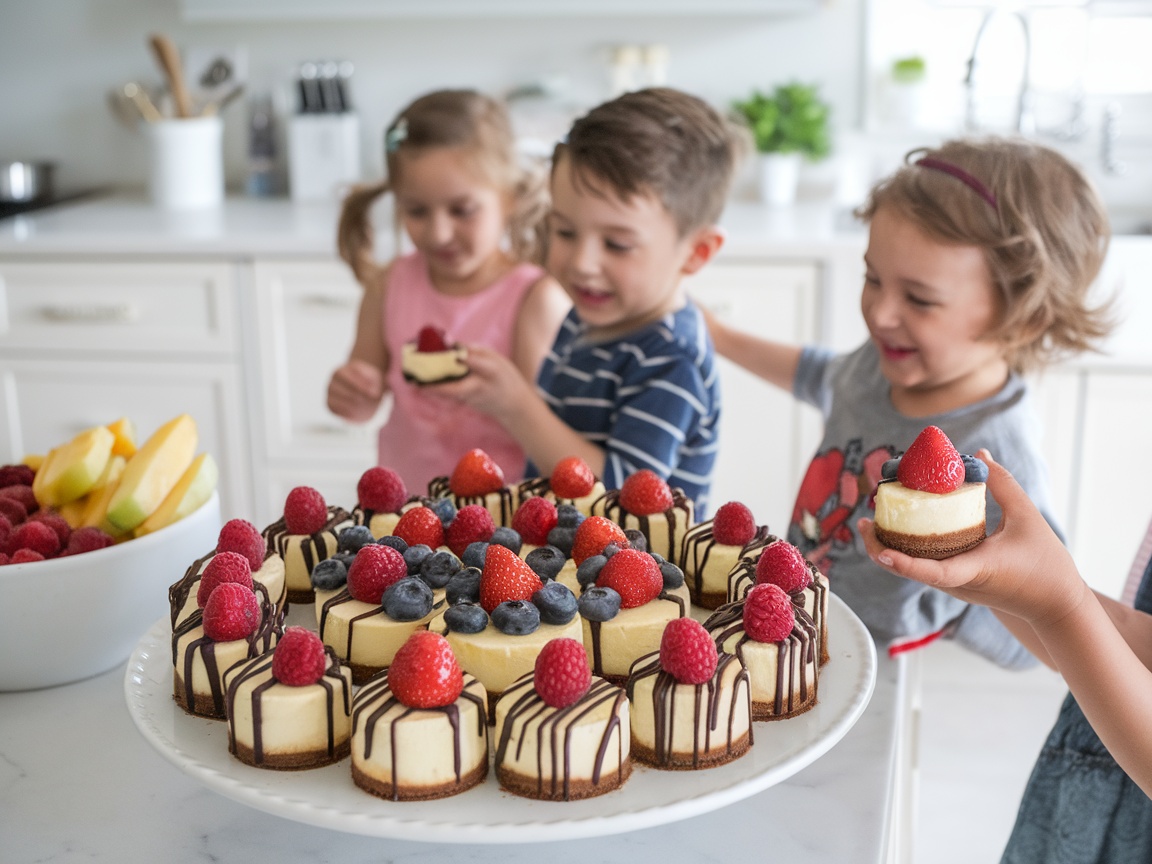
column 1025, row 121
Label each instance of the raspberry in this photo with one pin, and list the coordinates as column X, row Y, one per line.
column 431, row 339
column 593, row 534
column 373, row 570
column 572, row 478
column 5, row 530
column 232, row 612
column 4, row 560
column 687, row 651
column 768, row 613
column 381, row 490
column 424, row 673
column 562, row 674
column 23, row 494
column 473, row 522
column 242, row 537
column 733, row 524
column 476, row 474
column 35, row 536
column 420, row 525
column 224, row 567
column 645, row 493
column 53, row 520
column 305, row 511
column 299, row 658
column 781, row 564
column 506, row 577
column 25, row 556
column 634, row 575
column 87, row 540
column 16, row 475
column 13, row 510
column 931, row 464
column 534, row 519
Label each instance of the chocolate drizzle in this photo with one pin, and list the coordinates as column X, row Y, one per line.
column 697, row 548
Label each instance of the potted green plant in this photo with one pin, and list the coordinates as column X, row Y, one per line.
column 907, row 76
column 787, row 124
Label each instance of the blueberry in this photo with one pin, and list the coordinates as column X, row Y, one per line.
column 463, row 586
column 545, row 561
column 475, row 554
column 329, row 575
column 636, row 540
column 516, row 618
column 354, row 539
column 599, row 604
column 556, row 602
column 438, row 568
column 888, row 469
column 562, row 539
column 673, row 575
column 414, row 556
column 658, row 558
column 589, row 569
column 397, row 543
column 407, row 600
column 975, row 470
column 442, row 507
column 506, row 537
column 610, row 550
column 466, row 618
column 568, row 516
column 345, row 558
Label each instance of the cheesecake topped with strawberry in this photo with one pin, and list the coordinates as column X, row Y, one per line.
column 430, row 359
column 477, row 479
column 571, row 482
column 930, row 502
column 645, row 502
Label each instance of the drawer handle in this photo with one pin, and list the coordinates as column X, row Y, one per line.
column 328, row 301
column 92, row 313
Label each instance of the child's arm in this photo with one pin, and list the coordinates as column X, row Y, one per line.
column 1025, row 573
column 356, row 388
column 775, row 362
column 541, row 313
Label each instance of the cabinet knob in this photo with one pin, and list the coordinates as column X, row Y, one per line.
column 92, row 313
column 328, row 301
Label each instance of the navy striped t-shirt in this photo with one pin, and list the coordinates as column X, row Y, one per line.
column 651, row 398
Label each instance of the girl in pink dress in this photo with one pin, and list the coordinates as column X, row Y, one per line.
column 473, row 211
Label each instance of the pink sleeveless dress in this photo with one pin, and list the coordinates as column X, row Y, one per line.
column 424, row 437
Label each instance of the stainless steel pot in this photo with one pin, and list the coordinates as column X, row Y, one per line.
column 25, row 181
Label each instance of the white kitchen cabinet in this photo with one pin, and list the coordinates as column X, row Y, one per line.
column 766, row 436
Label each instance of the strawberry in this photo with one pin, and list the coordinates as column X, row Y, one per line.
column 232, row 612
column 572, row 478
column 506, row 577
column 782, row 564
column 634, row 575
column 35, row 536
column 431, row 339
column 381, row 490
column 593, row 534
column 87, row 539
column 475, row 475
column 645, row 493
column 733, row 524
column 473, row 523
column 562, row 675
column 374, row 569
column 687, row 651
column 420, row 525
column 305, row 511
column 299, row 658
column 768, row 613
column 931, row 464
column 534, row 519
column 224, row 567
column 244, row 538
column 424, row 673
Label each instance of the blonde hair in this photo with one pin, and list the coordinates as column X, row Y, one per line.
column 480, row 128
column 660, row 141
column 1041, row 224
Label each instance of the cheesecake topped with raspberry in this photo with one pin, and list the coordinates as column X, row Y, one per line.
column 430, row 359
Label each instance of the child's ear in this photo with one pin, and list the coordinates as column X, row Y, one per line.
column 703, row 246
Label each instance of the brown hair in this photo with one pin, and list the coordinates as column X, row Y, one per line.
column 660, row 141
column 1041, row 224
column 480, row 128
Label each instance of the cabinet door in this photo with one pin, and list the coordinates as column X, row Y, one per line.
column 47, row 402
column 766, row 436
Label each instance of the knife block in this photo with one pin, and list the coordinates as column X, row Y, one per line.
column 323, row 155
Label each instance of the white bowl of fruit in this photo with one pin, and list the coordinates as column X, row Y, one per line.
column 91, row 536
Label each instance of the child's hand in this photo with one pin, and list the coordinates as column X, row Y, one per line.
column 355, row 391
column 1022, row 568
column 494, row 384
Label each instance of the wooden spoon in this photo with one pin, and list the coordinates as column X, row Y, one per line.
column 168, row 56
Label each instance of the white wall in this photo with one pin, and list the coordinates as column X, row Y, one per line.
column 58, row 58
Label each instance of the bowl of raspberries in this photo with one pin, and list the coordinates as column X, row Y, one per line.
column 74, row 601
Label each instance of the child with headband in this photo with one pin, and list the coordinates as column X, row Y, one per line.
column 979, row 260
column 473, row 212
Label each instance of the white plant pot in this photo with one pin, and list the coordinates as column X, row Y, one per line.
column 779, row 178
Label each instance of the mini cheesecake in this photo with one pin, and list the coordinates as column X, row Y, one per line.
column 707, row 563
column 541, row 487
column 501, row 504
column 302, row 552
column 182, row 594
column 433, row 367
column 928, row 524
column 663, row 531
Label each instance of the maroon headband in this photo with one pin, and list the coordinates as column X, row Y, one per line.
column 960, row 174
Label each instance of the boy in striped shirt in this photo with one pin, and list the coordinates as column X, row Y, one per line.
column 630, row 382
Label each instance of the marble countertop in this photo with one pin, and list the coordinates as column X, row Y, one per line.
column 79, row 783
